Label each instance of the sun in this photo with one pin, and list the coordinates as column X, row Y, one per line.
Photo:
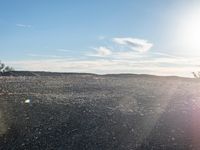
column 187, row 32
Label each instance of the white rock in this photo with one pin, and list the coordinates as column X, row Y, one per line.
column 27, row 101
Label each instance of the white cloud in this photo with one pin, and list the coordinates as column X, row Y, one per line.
column 101, row 52
column 127, row 55
column 44, row 56
column 157, row 66
column 139, row 45
column 24, row 25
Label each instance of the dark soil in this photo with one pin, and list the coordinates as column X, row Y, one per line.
column 50, row 111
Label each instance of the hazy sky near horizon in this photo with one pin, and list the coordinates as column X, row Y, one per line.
column 107, row 36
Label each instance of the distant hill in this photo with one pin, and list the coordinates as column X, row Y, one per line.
column 122, row 75
column 38, row 73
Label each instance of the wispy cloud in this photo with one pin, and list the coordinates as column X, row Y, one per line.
column 101, row 37
column 44, row 56
column 101, row 52
column 136, row 44
column 23, row 25
column 103, row 66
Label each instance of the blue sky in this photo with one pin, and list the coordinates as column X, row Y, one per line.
column 107, row 36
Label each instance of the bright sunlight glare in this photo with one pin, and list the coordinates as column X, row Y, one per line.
column 187, row 34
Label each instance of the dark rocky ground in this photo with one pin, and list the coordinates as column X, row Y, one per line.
column 92, row 112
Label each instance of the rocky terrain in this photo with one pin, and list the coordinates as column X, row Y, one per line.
column 51, row 111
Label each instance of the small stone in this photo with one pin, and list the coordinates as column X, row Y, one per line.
column 27, row 101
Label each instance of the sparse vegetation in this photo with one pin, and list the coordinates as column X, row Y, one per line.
column 4, row 68
column 196, row 74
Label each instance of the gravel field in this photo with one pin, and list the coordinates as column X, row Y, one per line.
column 93, row 112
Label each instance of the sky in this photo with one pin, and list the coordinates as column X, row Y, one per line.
column 107, row 36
